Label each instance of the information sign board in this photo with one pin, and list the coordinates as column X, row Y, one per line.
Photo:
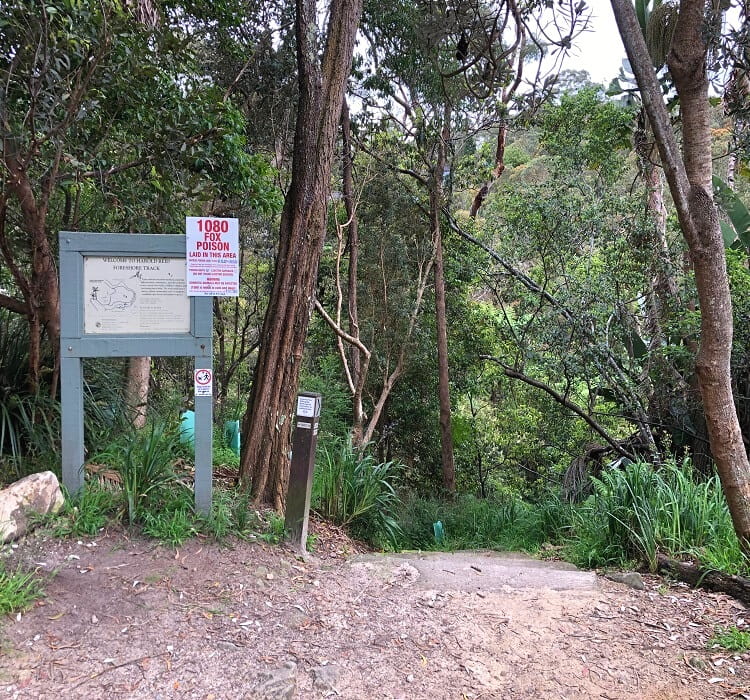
column 135, row 295
column 124, row 295
column 213, row 256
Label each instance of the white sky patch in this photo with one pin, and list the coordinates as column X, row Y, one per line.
column 598, row 50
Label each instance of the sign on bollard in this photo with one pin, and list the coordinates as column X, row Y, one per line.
column 301, row 471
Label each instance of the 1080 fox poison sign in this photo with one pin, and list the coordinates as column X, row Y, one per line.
column 213, row 256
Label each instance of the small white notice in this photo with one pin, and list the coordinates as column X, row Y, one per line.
column 308, row 407
column 213, row 256
column 204, row 382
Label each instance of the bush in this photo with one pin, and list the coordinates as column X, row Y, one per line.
column 357, row 491
column 503, row 523
column 144, row 459
column 638, row 512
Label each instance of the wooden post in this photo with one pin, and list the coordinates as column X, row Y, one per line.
column 302, row 468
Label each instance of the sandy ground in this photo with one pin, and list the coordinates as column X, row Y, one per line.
column 123, row 618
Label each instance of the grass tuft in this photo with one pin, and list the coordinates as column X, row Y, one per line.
column 731, row 639
column 357, row 491
column 18, row 590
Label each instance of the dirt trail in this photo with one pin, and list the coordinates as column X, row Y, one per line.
column 125, row 619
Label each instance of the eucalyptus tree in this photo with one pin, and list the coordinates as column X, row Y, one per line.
column 321, row 79
column 432, row 73
column 105, row 122
column 689, row 174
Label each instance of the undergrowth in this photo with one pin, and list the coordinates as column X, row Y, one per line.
column 357, row 491
column 633, row 515
column 18, row 590
column 731, row 639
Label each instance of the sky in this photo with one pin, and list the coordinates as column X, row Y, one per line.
column 598, row 50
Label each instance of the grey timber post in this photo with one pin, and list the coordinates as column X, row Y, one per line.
column 204, row 446
column 302, row 468
column 125, row 295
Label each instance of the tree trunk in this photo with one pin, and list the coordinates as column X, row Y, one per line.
column 497, row 171
column 41, row 289
column 689, row 178
column 436, row 203
column 136, row 389
column 356, row 369
column 267, row 427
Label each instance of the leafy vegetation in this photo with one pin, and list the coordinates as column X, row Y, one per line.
column 88, row 513
column 144, row 461
column 18, row 590
column 633, row 515
column 354, row 489
column 731, row 639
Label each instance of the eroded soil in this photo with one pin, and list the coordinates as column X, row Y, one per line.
column 123, row 618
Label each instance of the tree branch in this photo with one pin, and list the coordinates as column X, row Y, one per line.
column 15, row 305
column 340, row 332
column 562, row 400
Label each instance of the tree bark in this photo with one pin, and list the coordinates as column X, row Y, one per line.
column 41, row 289
column 497, row 171
column 136, row 389
column 441, row 323
column 689, row 178
column 267, row 427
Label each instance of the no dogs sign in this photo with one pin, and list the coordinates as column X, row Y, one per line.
column 213, row 256
column 204, row 382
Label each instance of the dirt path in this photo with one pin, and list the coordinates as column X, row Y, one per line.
column 125, row 619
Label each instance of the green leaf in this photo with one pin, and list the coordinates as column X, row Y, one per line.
column 640, row 349
column 728, row 233
column 735, row 209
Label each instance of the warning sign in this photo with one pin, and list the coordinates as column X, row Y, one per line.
column 213, row 256
column 204, row 382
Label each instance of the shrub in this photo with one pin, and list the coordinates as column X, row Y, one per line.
column 357, row 491
column 503, row 523
column 144, row 460
column 638, row 512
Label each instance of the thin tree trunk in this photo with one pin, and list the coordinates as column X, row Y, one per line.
column 436, row 203
column 497, row 171
column 136, row 389
column 356, row 369
column 267, row 427
column 41, row 290
column 689, row 180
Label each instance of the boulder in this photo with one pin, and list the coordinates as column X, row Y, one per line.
column 34, row 494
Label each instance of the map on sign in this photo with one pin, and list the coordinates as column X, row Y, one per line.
column 135, row 295
column 109, row 297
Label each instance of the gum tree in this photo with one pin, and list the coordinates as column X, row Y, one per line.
column 689, row 174
column 322, row 78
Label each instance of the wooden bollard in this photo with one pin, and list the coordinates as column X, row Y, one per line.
column 302, row 468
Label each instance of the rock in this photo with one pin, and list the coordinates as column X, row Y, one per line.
column 629, row 578
column 276, row 684
column 326, row 677
column 34, row 494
